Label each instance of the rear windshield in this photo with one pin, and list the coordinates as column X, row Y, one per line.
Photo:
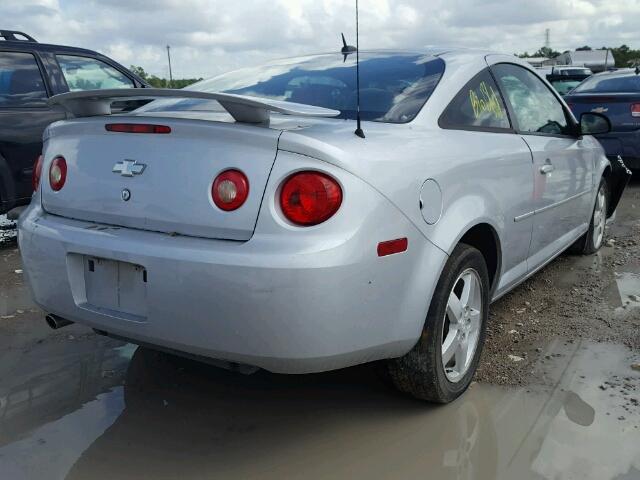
column 393, row 87
column 610, row 83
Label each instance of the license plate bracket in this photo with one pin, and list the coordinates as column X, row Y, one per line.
column 115, row 286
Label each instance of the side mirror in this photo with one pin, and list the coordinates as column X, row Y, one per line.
column 594, row 123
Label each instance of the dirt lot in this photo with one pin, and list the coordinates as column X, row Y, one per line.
column 557, row 395
column 593, row 297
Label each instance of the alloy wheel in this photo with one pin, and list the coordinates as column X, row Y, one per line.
column 461, row 326
column 599, row 218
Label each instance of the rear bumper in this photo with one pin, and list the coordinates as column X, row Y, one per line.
column 292, row 311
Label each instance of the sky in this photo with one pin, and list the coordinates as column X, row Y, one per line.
column 209, row 37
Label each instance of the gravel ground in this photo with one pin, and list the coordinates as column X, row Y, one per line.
column 594, row 297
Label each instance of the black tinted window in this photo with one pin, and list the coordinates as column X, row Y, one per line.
column 393, row 87
column 477, row 105
column 536, row 109
column 610, row 83
column 83, row 73
column 21, row 83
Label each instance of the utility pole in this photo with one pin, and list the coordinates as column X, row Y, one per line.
column 169, row 58
column 547, row 38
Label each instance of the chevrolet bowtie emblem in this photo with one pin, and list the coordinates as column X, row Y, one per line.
column 129, row 168
column 600, row 110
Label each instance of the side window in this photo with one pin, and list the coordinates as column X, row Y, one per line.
column 21, row 83
column 535, row 108
column 478, row 105
column 83, row 73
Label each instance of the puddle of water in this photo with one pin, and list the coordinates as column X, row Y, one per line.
column 48, row 379
column 577, row 410
column 596, row 430
column 84, row 414
column 629, row 288
column 51, row 450
column 623, row 293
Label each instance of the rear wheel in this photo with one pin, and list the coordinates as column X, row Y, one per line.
column 441, row 365
column 593, row 239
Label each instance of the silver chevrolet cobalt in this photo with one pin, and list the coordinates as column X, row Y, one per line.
column 242, row 220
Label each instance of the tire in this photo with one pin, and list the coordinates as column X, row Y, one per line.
column 594, row 238
column 421, row 372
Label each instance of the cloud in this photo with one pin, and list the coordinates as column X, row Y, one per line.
column 208, row 37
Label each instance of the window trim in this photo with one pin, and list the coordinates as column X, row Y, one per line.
column 43, row 76
column 571, row 123
column 73, row 54
column 471, row 128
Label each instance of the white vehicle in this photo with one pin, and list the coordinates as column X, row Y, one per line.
column 569, row 70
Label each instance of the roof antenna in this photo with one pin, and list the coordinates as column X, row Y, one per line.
column 346, row 49
column 358, row 131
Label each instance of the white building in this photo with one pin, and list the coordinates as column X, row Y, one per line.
column 596, row 60
column 539, row 62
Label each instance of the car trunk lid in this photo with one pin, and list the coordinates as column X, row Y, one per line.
column 158, row 182
column 617, row 107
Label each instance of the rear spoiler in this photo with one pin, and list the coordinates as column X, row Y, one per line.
column 242, row 108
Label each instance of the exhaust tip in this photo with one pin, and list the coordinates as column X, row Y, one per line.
column 56, row 322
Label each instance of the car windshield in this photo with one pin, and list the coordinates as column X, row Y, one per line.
column 573, row 71
column 610, row 83
column 393, row 86
column 565, row 86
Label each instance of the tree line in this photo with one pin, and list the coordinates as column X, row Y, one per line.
column 624, row 55
column 158, row 82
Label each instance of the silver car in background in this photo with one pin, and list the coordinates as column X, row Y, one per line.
column 242, row 220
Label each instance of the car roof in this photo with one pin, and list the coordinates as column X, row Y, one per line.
column 10, row 42
column 435, row 51
column 622, row 72
column 46, row 47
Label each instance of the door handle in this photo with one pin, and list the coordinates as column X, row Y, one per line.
column 546, row 168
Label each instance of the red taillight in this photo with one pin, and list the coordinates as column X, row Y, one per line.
column 230, row 190
column 137, row 128
column 635, row 109
column 392, row 246
column 57, row 173
column 37, row 173
column 310, row 198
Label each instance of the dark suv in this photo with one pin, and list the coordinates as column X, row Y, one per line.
column 30, row 73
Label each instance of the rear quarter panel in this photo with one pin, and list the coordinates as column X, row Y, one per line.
column 483, row 177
